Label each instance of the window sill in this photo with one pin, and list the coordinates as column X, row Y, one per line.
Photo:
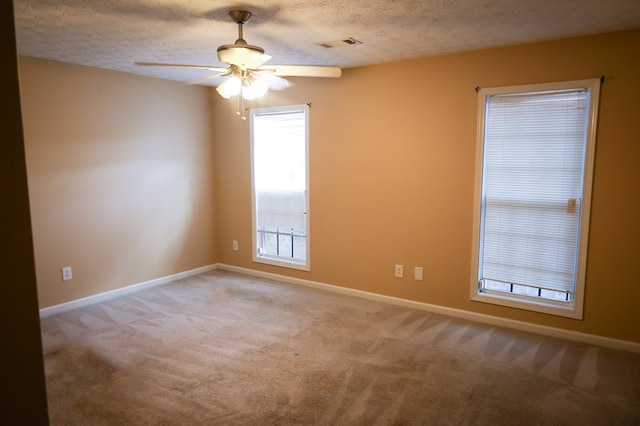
column 568, row 310
column 283, row 263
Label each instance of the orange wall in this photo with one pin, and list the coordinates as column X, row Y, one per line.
column 120, row 172
column 392, row 156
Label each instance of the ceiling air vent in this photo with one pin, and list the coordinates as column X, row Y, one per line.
column 349, row 41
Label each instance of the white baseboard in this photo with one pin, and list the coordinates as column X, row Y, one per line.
column 101, row 297
column 472, row 316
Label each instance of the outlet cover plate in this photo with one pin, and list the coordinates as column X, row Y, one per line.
column 67, row 273
column 399, row 271
column 418, row 274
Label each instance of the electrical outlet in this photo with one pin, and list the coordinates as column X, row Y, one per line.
column 418, row 273
column 399, row 271
column 235, row 245
column 67, row 273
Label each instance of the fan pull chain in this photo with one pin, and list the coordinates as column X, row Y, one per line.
column 244, row 117
column 241, row 106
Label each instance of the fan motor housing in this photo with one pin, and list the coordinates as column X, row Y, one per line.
column 244, row 56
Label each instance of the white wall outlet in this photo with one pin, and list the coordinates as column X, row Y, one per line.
column 235, row 245
column 418, row 273
column 399, row 271
column 67, row 273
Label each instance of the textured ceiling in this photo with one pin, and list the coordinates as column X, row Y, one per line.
column 113, row 34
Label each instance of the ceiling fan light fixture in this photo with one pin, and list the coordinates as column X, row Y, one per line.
column 230, row 87
column 253, row 88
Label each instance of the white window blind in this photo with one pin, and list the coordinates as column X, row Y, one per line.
column 279, row 142
column 532, row 189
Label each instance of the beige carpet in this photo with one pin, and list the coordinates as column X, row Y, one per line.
column 223, row 348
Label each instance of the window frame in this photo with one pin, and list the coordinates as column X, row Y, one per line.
column 574, row 308
column 293, row 263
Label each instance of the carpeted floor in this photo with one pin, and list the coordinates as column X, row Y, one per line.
column 223, row 348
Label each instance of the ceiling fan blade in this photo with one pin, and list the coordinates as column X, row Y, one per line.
column 264, row 58
column 202, row 67
column 209, row 77
column 275, row 82
column 305, row 71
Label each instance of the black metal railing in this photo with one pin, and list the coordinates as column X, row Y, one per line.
column 290, row 233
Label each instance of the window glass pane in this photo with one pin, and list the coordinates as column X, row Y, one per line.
column 554, row 295
column 497, row 286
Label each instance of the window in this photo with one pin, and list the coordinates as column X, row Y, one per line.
column 534, row 167
column 279, row 146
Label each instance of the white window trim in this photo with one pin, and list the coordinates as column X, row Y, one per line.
column 573, row 309
column 293, row 263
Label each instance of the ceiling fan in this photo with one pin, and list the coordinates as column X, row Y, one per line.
column 246, row 74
